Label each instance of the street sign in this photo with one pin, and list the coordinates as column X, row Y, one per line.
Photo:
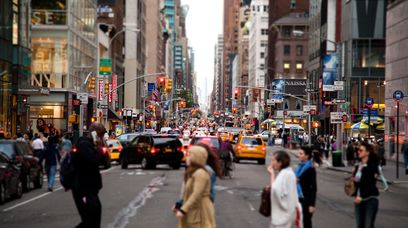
column 310, row 91
column 339, row 101
column 277, row 100
column 398, row 95
column 307, row 108
column 338, row 87
column 105, row 67
column 83, row 97
column 337, row 117
column 339, row 83
column 369, row 102
column 151, row 86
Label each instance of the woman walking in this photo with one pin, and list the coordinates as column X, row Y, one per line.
column 284, row 197
column 366, row 194
column 197, row 209
column 306, row 183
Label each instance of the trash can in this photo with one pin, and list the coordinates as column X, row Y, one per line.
column 336, row 158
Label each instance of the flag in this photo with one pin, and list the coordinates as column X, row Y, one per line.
column 156, row 95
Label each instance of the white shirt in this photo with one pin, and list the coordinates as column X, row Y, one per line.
column 38, row 144
column 284, row 199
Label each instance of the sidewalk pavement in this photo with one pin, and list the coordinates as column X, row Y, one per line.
column 389, row 170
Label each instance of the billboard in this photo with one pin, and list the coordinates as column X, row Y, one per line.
column 330, row 64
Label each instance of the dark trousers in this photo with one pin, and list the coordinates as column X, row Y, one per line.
column 307, row 216
column 89, row 211
column 366, row 212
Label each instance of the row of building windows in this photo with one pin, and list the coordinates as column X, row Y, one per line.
column 287, row 50
column 287, row 67
column 260, row 8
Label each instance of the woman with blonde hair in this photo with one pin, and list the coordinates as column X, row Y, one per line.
column 197, row 209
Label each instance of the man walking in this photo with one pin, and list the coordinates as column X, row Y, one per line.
column 88, row 180
column 38, row 146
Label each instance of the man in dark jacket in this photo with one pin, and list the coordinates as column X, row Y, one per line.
column 51, row 156
column 404, row 151
column 88, row 180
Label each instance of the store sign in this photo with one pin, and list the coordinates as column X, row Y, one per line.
column 49, row 17
column 330, row 64
column 110, row 93
column 101, row 84
column 114, row 86
column 295, row 87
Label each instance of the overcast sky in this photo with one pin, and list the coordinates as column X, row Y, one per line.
column 204, row 23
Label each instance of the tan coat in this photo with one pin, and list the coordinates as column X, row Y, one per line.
column 196, row 202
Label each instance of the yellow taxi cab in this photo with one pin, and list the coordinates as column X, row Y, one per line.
column 250, row 148
column 115, row 148
column 245, row 133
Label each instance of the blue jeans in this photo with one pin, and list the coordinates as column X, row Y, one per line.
column 366, row 212
column 51, row 171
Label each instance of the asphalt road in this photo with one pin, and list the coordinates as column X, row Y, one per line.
column 143, row 198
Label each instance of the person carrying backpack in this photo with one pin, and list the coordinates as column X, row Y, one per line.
column 87, row 180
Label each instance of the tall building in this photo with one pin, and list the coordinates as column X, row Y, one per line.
column 258, row 39
column 396, row 73
column 15, row 67
column 154, row 37
column 135, row 54
column 231, row 29
column 287, row 56
column 218, row 74
column 64, row 51
column 361, row 55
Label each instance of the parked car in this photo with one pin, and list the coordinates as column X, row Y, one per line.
column 21, row 154
column 124, row 139
column 10, row 178
column 115, row 148
column 250, row 148
column 150, row 150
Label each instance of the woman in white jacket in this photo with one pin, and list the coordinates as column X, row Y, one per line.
column 284, row 198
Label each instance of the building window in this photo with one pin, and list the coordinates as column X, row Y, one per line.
column 286, row 31
column 299, row 67
column 265, row 8
column 299, row 50
column 286, row 67
column 264, row 31
column 262, row 55
column 286, row 50
column 368, row 53
column 293, row 4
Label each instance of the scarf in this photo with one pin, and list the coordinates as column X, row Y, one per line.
column 300, row 169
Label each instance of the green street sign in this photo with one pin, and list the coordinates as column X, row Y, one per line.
column 105, row 67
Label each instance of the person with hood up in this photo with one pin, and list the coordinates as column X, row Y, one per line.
column 197, row 209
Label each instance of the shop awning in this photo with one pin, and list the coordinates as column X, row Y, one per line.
column 113, row 116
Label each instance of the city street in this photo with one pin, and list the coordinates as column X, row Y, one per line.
column 143, row 198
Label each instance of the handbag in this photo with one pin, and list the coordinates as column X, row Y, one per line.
column 265, row 207
column 349, row 186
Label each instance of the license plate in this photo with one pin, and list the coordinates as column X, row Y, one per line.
column 168, row 150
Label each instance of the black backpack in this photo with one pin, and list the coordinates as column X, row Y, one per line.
column 67, row 172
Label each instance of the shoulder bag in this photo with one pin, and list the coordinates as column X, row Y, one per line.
column 265, row 207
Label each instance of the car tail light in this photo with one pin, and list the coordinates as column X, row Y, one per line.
column 180, row 149
column 120, row 149
column 74, row 150
column 239, row 147
column 154, row 150
column 264, row 148
column 104, row 150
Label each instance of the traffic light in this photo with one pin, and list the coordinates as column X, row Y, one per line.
column 315, row 124
column 93, row 119
column 169, row 85
column 106, row 87
column 161, row 82
column 344, row 118
column 92, row 83
column 236, row 94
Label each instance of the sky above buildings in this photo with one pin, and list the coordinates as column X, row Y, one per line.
column 204, row 23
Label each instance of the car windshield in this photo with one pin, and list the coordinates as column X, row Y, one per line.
column 7, row 148
column 251, row 141
column 113, row 143
column 209, row 141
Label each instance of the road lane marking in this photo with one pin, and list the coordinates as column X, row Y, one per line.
column 30, row 200
column 43, row 195
column 123, row 216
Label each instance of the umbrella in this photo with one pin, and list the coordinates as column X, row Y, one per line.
column 373, row 120
column 381, row 127
column 268, row 121
column 359, row 126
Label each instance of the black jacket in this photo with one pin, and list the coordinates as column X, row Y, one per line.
column 368, row 182
column 51, row 155
column 309, row 187
column 88, row 179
